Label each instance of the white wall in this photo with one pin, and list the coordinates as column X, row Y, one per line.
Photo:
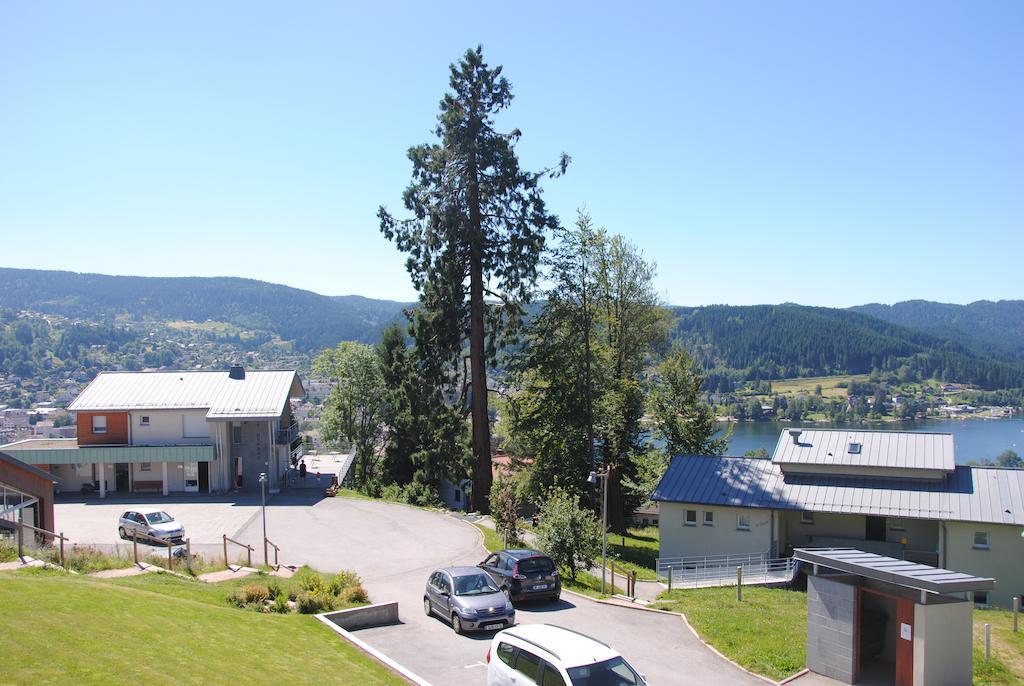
column 942, row 644
column 722, row 538
column 166, row 427
column 1003, row 561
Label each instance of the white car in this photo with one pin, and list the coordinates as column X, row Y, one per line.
column 150, row 521
column 549, row 655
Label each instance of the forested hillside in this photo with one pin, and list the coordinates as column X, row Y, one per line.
column 784, row 341
column 995, row 328
column 311, row 320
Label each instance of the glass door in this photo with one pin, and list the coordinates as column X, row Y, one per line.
column 191, row 477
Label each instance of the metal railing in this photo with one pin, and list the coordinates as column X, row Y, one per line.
column 248, row 550
column 277, row 550
column 45, row 533
column 287, row 435
column 721, row 570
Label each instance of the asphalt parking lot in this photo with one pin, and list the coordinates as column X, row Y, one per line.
column 92, row 520
column 394, row 548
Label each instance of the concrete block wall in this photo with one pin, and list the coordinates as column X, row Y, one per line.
column 831, row 627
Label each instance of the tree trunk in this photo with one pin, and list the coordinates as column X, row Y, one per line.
column 478, row 365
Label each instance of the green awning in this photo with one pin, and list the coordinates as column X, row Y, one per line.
column 111, row 454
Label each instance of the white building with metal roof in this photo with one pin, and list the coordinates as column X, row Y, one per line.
column 187, row 431
column 899, row 494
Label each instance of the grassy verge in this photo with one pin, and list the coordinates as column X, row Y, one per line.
column 637, row 551
column 767, row 632
column 197, row 639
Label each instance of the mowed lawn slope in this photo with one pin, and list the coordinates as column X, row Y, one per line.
column 63, row 629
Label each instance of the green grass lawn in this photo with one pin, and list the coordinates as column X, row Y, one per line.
column 767, row 632
column 159, row 630
column 637, row 551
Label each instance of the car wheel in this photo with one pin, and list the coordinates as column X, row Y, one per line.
column 426, row 606
column 457, row 624
column 122, row 533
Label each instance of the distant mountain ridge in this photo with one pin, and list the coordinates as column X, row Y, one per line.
column 984, row 326
column 312, row 320
column 981, row 343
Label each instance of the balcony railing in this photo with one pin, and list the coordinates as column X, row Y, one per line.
column 288, row 435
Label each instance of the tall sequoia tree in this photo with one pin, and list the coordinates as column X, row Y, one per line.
column 477, row 231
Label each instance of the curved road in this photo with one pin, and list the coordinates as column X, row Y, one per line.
column 394, row 548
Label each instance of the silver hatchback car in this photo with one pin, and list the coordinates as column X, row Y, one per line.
column 150, row 521
column 468, row 597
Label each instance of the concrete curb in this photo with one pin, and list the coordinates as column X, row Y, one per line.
column 791, row 679
column 373, row 652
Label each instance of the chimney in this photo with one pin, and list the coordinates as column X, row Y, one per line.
column 237, row 372
column 795, row 434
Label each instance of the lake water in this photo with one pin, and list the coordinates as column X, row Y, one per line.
column 974, row 439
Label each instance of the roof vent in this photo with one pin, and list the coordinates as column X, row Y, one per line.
column 795, row 434
column 237, row 372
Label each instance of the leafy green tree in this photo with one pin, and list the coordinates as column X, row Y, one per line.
column 477, row 218
column 681, row 417
column 1009, row 458
column 760, row 453
column 354, row 410
column 504, row 511
column 567, row 533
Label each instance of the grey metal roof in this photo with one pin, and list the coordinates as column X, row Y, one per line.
column 893, row 571
column 261, row 394
column 878, row 449
column 969, row 494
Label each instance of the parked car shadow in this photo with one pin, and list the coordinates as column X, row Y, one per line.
column 544, row 605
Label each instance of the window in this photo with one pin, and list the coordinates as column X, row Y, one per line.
column 807, row 518
column 709, row 518
column 528, row 665
column 551, row 676
column 743, row 522
column 144, row 420
column 855, row 448
column 896, row 525
column 99, row 424
column 236, row 435
column 981, row 540
column 145, row 466
column 981, row 598
column 505, row 652
column 691, row 518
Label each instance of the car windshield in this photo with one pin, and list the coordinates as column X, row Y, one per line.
column 159, row 518
column 613, row 672
column 474, row 584
column 530, row 565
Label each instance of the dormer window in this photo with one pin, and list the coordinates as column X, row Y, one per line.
column 854, row 449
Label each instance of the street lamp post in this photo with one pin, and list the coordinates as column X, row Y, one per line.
column 592, row 479
column 263, row 499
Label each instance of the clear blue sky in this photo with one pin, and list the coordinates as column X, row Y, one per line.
column 821, row 152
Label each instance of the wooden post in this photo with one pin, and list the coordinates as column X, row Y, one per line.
column 988, row 641
column 670, row 578
column 248, row 554
column 1016, row 611
column 62, row 550
column 613, row 576
column 632, row 585
column 188, row 554
column 226, row 563
column 739, row 583
column 135, row 546
column 170, row 556
column 21, row 541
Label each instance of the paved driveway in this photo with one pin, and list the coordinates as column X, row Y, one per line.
column 395, row 547
column 206, row 518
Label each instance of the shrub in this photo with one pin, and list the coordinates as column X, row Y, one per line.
column 311, row 603
column 254, row 594
column 343, row 580
column 274, row 589
column 423, row 494
column 392, row 492
column 280, row 605
column 235, row 598
column 569, row 534
column 312, row 582
column 354, row 594
column 8, row 551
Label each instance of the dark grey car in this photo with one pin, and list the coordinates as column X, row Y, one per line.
column 526, row 574
column 469, row 599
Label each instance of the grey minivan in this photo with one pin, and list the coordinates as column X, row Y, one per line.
column 469, row 599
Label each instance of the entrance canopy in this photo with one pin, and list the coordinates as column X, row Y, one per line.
column 890, row 570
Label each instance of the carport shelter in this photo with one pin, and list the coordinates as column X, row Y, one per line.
column 887, row 621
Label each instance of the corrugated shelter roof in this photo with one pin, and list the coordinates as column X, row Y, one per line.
column 260, row 395
column 114, row 453
column 970, row 494
column 878, row 449
column 893, row 571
